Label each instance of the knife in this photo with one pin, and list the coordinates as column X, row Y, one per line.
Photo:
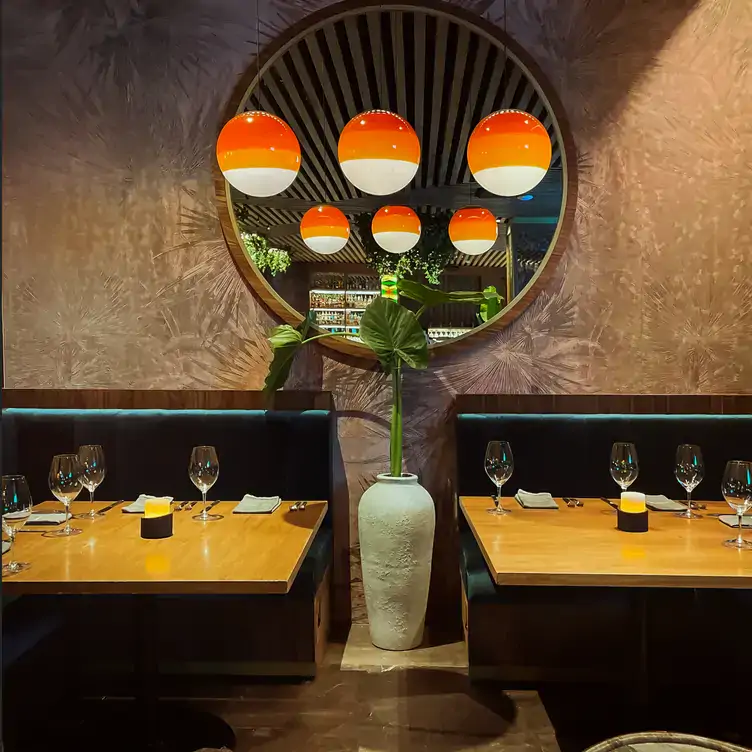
column 609, row 502
column 110, row 506
column 212, row 505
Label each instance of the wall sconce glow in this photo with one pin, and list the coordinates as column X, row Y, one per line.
column 258, row 154
column 473, row 230
column 526, row 197
column 509, row 152
column 396, row 228
column 325, row 229
column 379, row 152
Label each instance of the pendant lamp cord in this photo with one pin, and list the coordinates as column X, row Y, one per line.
column 506, row 56
column 258, row 55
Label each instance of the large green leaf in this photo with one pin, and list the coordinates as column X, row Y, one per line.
column 394, row 334
column 430, row 296
column 285, row 341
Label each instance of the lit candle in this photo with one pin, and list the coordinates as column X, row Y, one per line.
column 156, row 507
column 632, row 502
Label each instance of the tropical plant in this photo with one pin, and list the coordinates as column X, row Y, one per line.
column 393, row 332
column 266, row 258
column 490, row 306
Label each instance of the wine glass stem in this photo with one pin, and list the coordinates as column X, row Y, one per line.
column 498, row 496
column 739, row 538
column 67, row 527
column 689, row 500
column 203, row 511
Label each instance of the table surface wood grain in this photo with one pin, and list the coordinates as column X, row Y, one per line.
column 581, row 547
column 239, row 554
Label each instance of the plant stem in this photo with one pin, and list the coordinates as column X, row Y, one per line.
column 321, row 336
column 395, row 434
column 420, row 312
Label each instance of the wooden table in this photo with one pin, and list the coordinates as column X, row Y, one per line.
column 581, row 547
column 241, row 554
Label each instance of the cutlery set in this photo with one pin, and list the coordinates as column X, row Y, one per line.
column 572, row 502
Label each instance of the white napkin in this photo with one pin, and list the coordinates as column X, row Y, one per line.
column 49, row 518
column 733, row 521
column 251, row 504
column 6, row 546
column 138, row 506
column 661, row 503
column 530, row 500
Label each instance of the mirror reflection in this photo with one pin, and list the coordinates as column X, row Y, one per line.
column 325, row 245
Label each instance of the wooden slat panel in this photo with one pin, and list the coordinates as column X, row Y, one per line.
column 165, row 399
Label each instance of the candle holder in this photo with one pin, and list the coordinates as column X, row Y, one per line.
column 632, row 522
column 153, row 528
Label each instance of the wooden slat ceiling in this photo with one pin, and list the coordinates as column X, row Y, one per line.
column 442, row 76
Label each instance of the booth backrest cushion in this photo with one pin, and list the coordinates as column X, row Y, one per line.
column 568, row 454
column 147, row 451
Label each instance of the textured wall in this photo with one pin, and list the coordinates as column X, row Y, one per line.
column 115, row 272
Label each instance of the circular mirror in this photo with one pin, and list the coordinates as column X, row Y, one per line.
column 441, row 70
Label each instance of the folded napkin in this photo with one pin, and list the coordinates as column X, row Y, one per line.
column 6, row 546
column 250, row 504
column 733, row 521
column 661, row 503
column 46, row 518
column 535, row 500
column 137, row 507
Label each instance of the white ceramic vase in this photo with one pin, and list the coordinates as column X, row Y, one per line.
column 396, row 521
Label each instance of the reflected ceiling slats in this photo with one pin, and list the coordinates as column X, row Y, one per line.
column 432, row 70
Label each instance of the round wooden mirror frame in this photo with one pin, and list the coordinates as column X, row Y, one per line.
column 255, row 279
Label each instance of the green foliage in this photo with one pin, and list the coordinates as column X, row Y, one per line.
column 266, row 258
column 430, row 256
column 430, row 296
column 285, row 341
column 491, row 306
column 394, row 334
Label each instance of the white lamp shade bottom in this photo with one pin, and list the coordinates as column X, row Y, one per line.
column 510, row 180
column 396, row 242
column 326, row 244
column 473, row 247
column 379, row 177
column 261, row 182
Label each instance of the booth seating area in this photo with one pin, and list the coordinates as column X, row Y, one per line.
column 147, row 438
column 638, row 630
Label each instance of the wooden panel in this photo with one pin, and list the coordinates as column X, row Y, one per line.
column 661, row 404
column 582, row 547
column 166, row 399
column 242, row 553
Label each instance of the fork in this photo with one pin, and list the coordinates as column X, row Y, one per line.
column 572, row 502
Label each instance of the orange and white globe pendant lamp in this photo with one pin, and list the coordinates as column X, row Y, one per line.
column 379, row 152
column 473, row 230
column 509, row 152
column 396, row 228
column 325, row 229
column 258, row 154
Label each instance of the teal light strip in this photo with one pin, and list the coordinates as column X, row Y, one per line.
column 148, row 411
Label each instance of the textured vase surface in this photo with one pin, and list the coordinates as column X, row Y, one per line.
column 396, row 522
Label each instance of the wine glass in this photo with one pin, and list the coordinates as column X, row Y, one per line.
column 499, row 464
column 624, row 464
column 91, row 457
column 689, row 471
column 203, row 470
column 17, row 506
column 65, row 482
column 736, row 488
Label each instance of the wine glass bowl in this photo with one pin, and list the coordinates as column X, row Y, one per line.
column 499, row 466
column 65, row 481
column 94, row 469
column 689, row 471
column 625, row 466
column 17, row 506
column 736, row 488
column 203, row 470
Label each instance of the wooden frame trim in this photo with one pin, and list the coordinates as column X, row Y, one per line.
column 632, row 404
column 165, row 399
column 357, row 354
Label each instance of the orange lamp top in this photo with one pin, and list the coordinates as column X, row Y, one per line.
column 378, row 134
column 395, row 219
column 509, row 138
column 257, row 139
column 324, row 221
column 473, row 223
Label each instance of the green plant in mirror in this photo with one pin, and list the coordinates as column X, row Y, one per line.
column 390, row 330
column 490, row 306
column 265, row 257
